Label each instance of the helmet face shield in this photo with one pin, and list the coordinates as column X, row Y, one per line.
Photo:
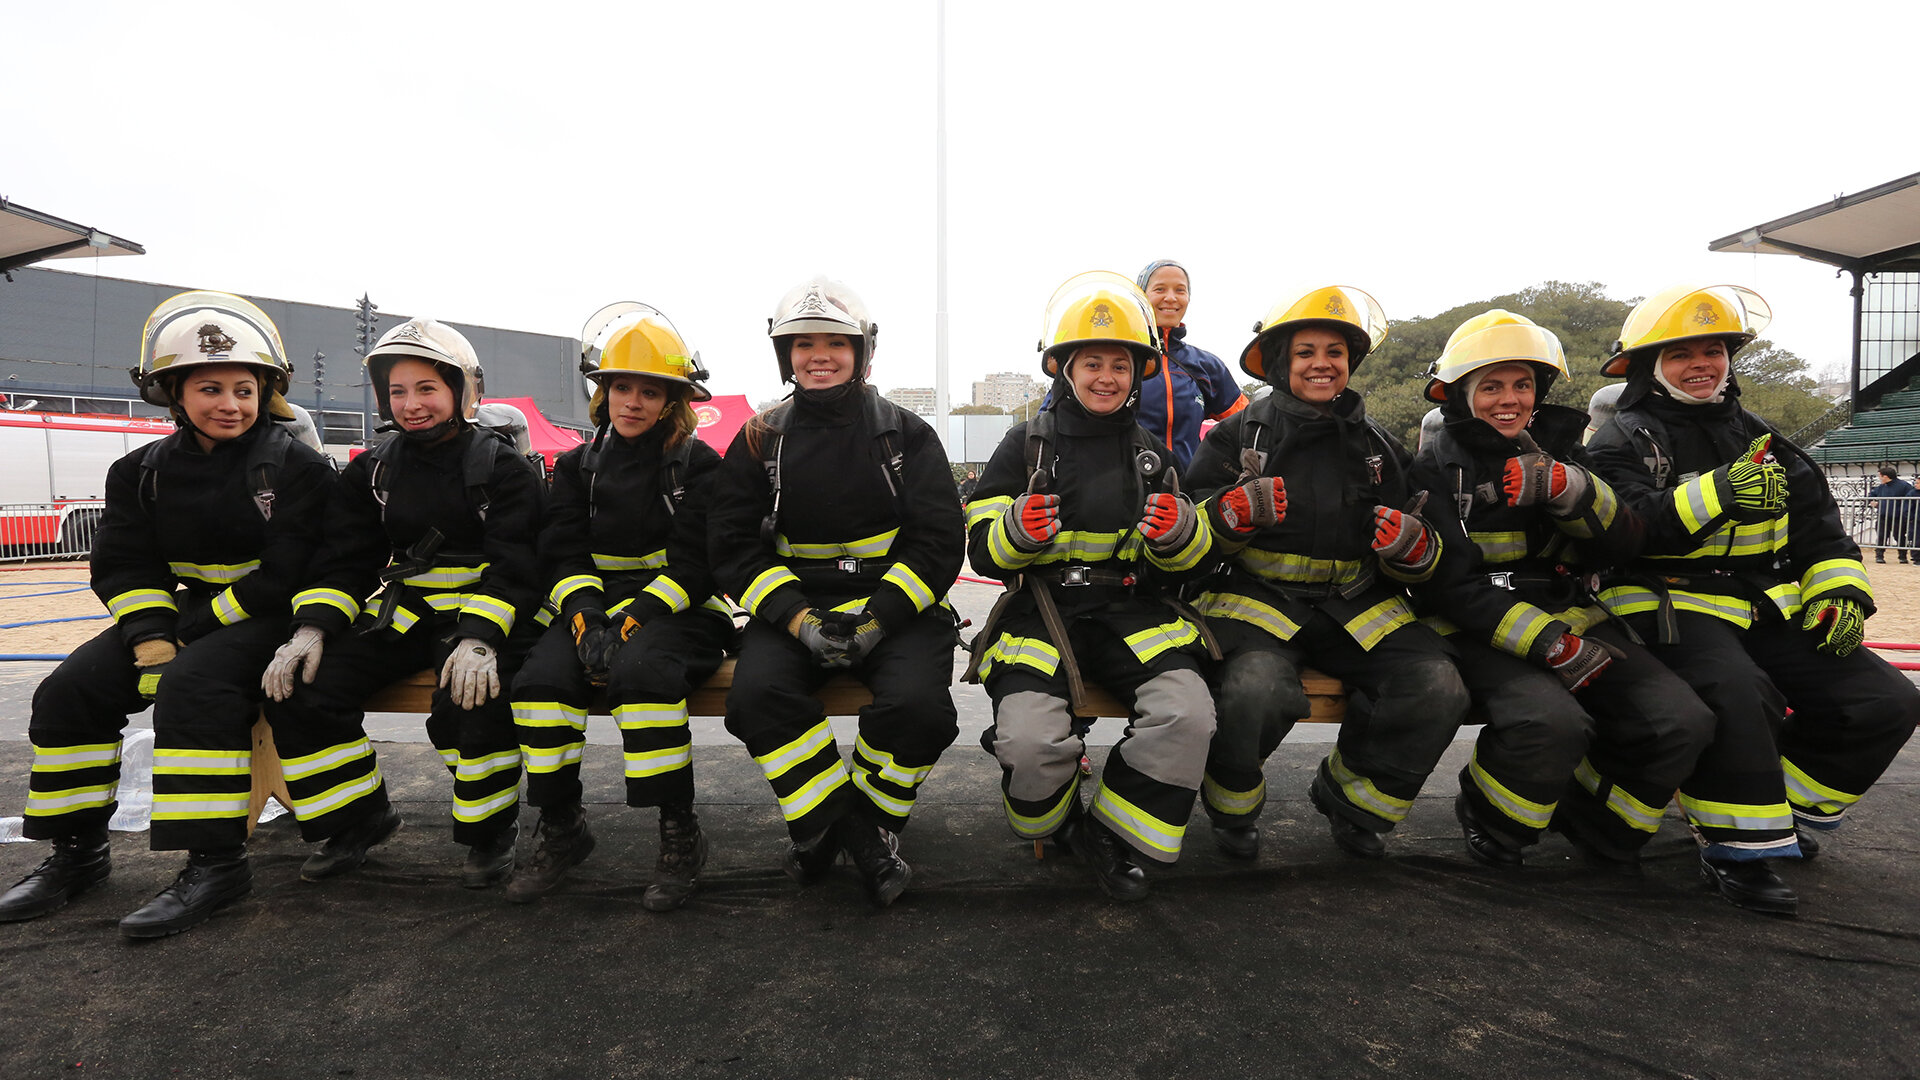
column 1687, row 312
column 205, row 327
column 1351, row 311
column 638, row 340
column 1099, row 307
column 1493, row 338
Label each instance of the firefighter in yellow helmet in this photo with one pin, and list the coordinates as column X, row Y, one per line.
column 428, row 563
column 836, row 526
column 1572, row 703
column 1080, row 513
column 631, row 600
column 205, row 536
column 1312, row 501
column 1750, row 589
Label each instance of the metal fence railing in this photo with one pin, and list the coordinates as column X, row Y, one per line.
column 41, row 530
column 1881, row 524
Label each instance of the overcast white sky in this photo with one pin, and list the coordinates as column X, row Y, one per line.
column 521, row 165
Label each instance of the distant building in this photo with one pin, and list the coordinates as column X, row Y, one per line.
column 920, row 399
column 1008, row 390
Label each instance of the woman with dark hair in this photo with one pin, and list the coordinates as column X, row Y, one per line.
column 1192, row 385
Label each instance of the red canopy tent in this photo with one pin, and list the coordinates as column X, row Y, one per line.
column 549, row 440
column 721, row 419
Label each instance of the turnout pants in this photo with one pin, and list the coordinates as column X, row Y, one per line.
column 330, row 766
column 647, row 687
column 1627, row 740
column 771, row 708
column 1146, row 791
column 1765, row 772
column 203, row 714
column 1388, row 745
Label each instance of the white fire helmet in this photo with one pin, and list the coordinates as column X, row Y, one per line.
column 437, row 343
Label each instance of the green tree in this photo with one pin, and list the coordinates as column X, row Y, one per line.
column 976, row 410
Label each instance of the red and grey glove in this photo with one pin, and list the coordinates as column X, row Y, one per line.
column 1759, row 485
column 1256, row 504
column 1033, row 520
column 1534, row 477
column 1578, row 661
column 1168, row 522
column 1403, row 539
column 1841, row 624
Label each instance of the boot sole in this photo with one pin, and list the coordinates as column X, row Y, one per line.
column 1747, row 901
column 349, row 866
column 185, row 922
column 1346, row 843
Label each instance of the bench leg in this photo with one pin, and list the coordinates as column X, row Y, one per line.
column 268, row 781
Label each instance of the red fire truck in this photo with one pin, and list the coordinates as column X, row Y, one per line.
column 53, row 476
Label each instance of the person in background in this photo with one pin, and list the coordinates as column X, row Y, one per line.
column 967, row 485
column 1895, row 507
column 1192, row 384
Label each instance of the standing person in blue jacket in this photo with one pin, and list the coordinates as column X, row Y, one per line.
column 1192, row 384
column 1896, row 513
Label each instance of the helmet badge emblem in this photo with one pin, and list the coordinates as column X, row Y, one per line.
column 213, row 339
column 411, row 332
column 814, row 303
column 1705, row 315
column 1335, row 308
column 1101, row 316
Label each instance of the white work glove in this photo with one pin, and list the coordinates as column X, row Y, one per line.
column 472, row 674
column 301, row 653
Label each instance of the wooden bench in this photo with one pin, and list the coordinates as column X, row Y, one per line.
column 842, row 696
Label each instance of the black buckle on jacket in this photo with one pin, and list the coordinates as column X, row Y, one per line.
column 1073, row 575
column 849, row 564
column 1502, row 579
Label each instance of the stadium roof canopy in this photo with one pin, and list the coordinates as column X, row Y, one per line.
column 1868, row 232
column 29, row 236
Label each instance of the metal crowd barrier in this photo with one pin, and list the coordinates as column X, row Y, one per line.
column 1882, row 524
column 42, row 530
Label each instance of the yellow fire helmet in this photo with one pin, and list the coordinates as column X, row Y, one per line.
column 641, row 340
column 1687, row 312
column 1337, row 307
column 206, row 327
column 438, row 344
column 1094, row 307
column 1497, row 337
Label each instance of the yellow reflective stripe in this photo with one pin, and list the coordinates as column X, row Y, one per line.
column 550, row 759
column 200, row 806
column 472, row 810
column 1074, row 545
column 814, row 791
column 1533, row 815
column 1624, row 806
column 1745, row 816
column 1634, row 599
column 1831, row 575
column 571, row 584
column 1804, row 790
column 1786, row 597
column 1151, row 642
column 482, row 767
column 763, row 586
column 1500, row 546
column 775, row 763
column 668, row 591
column 214, row 573
column 641, row 763
column 79, row 756
column 649, row 714
column 1698, row 501
column 888, row 768
column 51, row 803
column 174, row 762
column 299, row 768
column 1035, row 653
column 652, row 560
column 445, row 577
column 1188, row 556
column 1123, row 816
column 496, row 611
column 871, row 547
column 1248, row 610
column 330, row 597
column 1285, row 566
column 858, row 603
column 337, row 796
column 1605, row 507
column 140, row 600
column 980, row 510
column 1360, row 791
column 227, row 609
column 1228, row 801
column 1519, row 629
column 1001, row 550
column 549, row 714
column 904, row 579
column 895, row 806
column 1048, row 821
column 1371, row 626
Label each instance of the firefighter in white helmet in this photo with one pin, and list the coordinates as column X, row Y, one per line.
column 1585, row 731
column 632, row 602
column 1750, row 589
column 428, row 563
column 1313, row 501
column 206, row 535
column 836, row 526
column 1080, row 513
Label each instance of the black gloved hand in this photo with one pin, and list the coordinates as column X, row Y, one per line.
column 594, row 642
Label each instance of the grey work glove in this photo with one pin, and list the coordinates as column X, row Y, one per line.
column 825, row 634
column 471, row 675
column 301, row 653
column 857, row 640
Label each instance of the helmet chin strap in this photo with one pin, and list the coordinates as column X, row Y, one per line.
column 1719, row 389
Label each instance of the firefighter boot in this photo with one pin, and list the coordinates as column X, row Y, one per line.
column 808, row 861
column 1347, row 836
column 683, row 851
column 1238, row 841
column 1110, row 859
column 213, row 879
column 875, row 853
column 1809, row 844
column 1486, row 846
column 562, row 841
column 490, row 862
column 1750, row 884
column 345, row 850
column 77, row 864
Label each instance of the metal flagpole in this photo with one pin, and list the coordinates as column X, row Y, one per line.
column 940, row 401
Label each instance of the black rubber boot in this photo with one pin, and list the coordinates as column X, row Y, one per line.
column 492, row 862
column 77, row 864
column 1110, row 859
column 1594, row 849
column 1487, row 847
column 1347, row 836
column 1750, row 884
column 683, row 851
column 1809, row 843
column 345, row 850
column 211, row 881
column 562, row 841
column 1238, row 841
column 809, row 860
column 875, row 854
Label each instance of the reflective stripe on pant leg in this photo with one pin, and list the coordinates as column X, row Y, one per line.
column 70, row 779
column 1041, row 818
column 1145, row 832
column 485, row 785
column 1229, row 807
column 329, row 784
column 806, row 774
column 1524, row 812
column 658, row 745
column 1738, row 831
column 1814, row 804
column 553, row 735
column 1363, row 794
column 888, row 784
column 1632, row 811
column 200, row 797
